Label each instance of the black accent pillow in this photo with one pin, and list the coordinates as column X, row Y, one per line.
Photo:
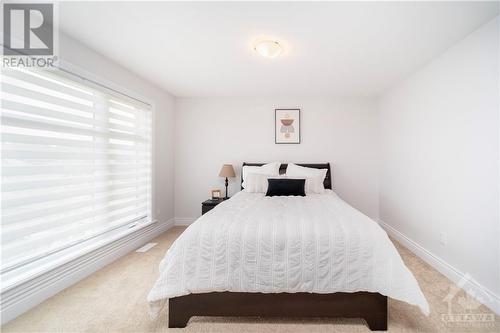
column 280, row 186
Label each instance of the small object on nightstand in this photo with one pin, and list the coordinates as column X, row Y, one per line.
column 207, row 205
column 216, row 194
column 227, row 171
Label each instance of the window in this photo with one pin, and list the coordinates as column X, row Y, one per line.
column 76, row 164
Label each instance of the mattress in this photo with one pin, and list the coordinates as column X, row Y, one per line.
column 253, row 243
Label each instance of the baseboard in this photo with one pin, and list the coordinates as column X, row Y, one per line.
column 491, row 300
column 25, row 296
column 184, row 221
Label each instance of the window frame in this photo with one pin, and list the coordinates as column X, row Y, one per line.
column 18, row 275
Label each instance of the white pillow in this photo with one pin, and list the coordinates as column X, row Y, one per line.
column 255, row 183
column 269, row 169
column 312, row 185
column 314, row 177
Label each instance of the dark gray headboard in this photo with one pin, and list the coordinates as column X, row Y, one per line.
column 328, row 179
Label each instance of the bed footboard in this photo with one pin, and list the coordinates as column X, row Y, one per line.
column 370, row 306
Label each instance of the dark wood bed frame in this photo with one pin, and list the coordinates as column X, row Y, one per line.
column 372, row 307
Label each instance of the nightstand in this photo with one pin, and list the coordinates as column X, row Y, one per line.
column 207, row 205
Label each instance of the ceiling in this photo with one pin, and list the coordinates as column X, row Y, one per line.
column 331, row 48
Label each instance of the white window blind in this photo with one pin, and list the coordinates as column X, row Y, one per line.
column 76, row 164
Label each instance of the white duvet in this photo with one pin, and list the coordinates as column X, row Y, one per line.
column 254, row 243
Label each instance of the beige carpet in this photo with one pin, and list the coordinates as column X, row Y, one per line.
column 114, row 300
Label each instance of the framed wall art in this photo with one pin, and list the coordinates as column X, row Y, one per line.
column 287, row 126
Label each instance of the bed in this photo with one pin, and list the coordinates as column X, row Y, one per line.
column 286, row 256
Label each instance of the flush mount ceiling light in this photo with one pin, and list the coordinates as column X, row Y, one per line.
column 268, row 48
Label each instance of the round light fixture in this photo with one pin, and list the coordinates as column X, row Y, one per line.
column 268, row 48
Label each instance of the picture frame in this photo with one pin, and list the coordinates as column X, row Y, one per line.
column 286, row 126
column 216, row 194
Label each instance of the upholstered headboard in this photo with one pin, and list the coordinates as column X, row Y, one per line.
column 328, row 179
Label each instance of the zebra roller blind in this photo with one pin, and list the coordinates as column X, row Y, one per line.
column 76, row 163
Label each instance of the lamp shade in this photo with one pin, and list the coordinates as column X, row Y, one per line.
column 227, row 170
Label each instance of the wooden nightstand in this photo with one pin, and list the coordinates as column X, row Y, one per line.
column 207, row 205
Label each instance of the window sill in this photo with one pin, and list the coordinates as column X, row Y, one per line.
column 30, row 271
column 30, row 289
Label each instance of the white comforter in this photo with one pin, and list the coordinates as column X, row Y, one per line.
column 254, row 243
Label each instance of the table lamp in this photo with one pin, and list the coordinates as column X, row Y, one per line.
column 227, row 171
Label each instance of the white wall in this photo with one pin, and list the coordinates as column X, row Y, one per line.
column 439, row 168
column 97, row 65
column 213, row 131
